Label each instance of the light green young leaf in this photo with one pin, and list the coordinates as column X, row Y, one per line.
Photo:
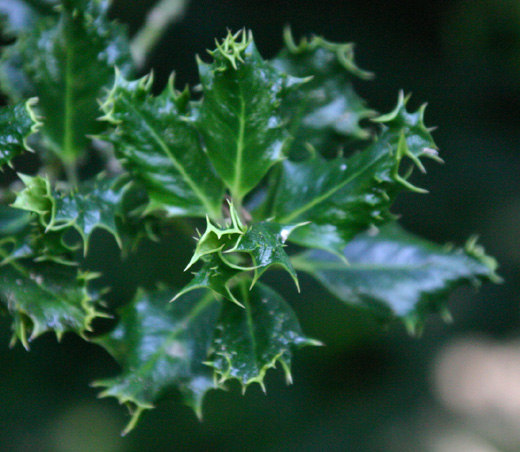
column 159, row 146
column 249, row 341
column 264, row 243
column 96, row 206
column 67, row 60
column 344, row 196
column 325, row 112
column 214, row 275
column 17, row 123
column 240, row 114
column 397, row 275
column 160, row 347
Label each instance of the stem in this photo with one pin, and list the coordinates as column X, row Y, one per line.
column 71, row 171
column 165, row 12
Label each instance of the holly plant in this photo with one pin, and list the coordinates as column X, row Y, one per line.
column 270, row 164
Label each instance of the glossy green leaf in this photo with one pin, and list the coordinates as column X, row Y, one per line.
column 95, row 206
column 68, row 61
column 161, row 149
column 236, row 248
column 160, row 347
column 248, row 341
column 344, row 196
column 17, row 123
column 264, row 243
column 397, row 275
column 240, row 114
column 325, row 112
column 42, row 296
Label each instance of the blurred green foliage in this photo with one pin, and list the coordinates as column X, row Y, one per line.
column 368, row 389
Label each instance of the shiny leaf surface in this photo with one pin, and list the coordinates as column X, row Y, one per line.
column 250, row 340
column 397, row 275
column 240, row 114
column 67, row 60
column 326, row 111
column 161, row 149
column 96, row 205
column 160, row 347
column 17, row 123
column 344, row 196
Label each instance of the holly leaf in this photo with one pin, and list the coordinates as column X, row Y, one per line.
column 326, row 111
column 264, row 242
column 160, row 347
column 397, row 275
column 95, row 206
column 42, row 295
column 344, row 196
column 17, row 123
column 214, row 275
column 162, row 150
column 240, row 114
column 249, row 341
column 67, row 59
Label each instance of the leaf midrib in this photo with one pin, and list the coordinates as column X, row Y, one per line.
column 202, row 197
column 240, row 148
column 296, row 213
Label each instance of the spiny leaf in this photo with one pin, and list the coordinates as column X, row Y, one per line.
column 160, row 347
column 162, row 150
column 96, row 205
column 264, row 243
column 216, row 276
column 325, row 112
column 217, row 238
column 40, row 295
column 344, row 196
column 240, row 114
column 17, row 123
column 67, row 59
column 397, row 275
column 250, row 341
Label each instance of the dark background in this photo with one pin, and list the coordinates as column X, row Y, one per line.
column 370, row 389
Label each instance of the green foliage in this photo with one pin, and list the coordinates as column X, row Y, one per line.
column 260, row 154
column 17, row 123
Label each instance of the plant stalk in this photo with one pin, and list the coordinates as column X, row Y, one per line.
column 164, row 13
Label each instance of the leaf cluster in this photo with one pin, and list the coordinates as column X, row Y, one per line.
column 262, row 154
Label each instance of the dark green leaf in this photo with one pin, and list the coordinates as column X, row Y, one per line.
column 160, row 347
column 240, row 115
column 43, row 296
column 326, row 111
column 249, row 341
column 397, row 275
column 342, row 197
column 67, row 60
column 96, row 205
column 17, row 123
column 12, row 221
column 237, row 248
column 161, row 149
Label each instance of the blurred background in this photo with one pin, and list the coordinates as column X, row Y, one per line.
column 370, row 389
